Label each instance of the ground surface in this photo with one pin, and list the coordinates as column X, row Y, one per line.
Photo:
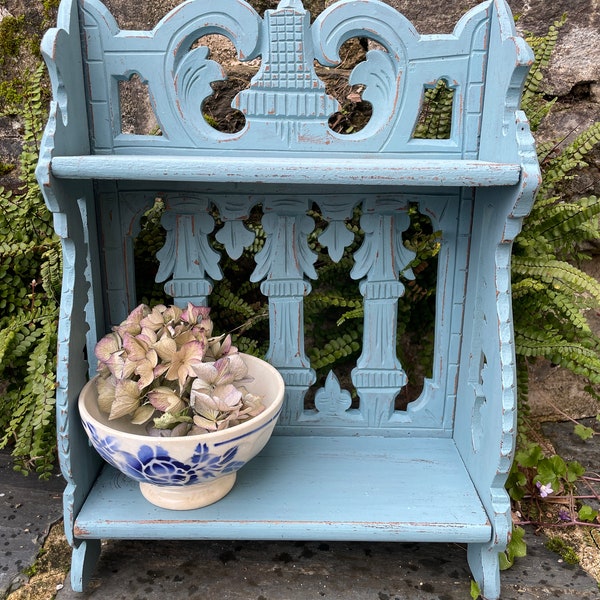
column 145, row 570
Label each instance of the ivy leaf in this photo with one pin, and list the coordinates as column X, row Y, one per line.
column 504, row 561
column 516, row 484
column 585, row 433
column 517, row 548
column 587, row 513
column 475, row 590
column 530, row 457
column 574, row 471
column 517, row 543
column 551, row 471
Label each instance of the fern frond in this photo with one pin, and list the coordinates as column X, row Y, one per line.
column 336, row 274
column 567, row 308
column 533, row 101
column 321, row 300
column 357, row 313
column 7, row 338
column 572, row 157
column 558, row 274
column 51, row 271
column 251, row 345
column 224, row 299
column 527, row 286
column 557, row 225
column 435, row 120
column 29, row 295
column 576, row 357
column 564, row 307
column 336, row 349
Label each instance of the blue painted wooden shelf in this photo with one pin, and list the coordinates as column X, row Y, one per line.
column 345, row 462
column 270, row 170
column 312, row 488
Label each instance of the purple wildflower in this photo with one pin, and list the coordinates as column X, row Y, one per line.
column 545, row 489
column 564, row 514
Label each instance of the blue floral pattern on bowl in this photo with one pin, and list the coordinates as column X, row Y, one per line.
column 155, row 465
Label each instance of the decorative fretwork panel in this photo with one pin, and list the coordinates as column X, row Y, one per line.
column 286, row 105
column 285, row 267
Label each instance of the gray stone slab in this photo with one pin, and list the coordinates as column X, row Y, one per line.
column 230, row 570
column 28, row 507
column 136, row 570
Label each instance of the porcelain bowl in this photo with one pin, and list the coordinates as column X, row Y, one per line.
column 203, row 465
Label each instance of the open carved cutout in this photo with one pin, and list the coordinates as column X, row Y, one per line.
column 237, row 303
column 148, row 242
column 435, row 118
column 335, row 315
column 217, row 109
column 417, row 308
column 333, row 319
column 137, row 116
column 354, row 113
column 479, row 404
column 334, row 309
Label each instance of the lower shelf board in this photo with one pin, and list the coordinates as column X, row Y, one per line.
column 311, row 488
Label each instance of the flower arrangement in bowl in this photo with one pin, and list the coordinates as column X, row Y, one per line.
column 178, row 409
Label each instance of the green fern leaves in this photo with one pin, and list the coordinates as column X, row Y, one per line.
column 561, row 164
column 533, row 102
column 551, row 294
column 30, row 276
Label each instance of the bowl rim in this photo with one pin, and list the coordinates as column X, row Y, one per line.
column 261, row 420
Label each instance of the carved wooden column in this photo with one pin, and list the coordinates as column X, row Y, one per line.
column 284, row 261
column 187, row 255
column 379, row 376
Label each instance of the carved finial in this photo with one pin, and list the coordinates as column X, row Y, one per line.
column 332, row 399
column 296, row 4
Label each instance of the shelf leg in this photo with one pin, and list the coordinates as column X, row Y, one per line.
column 485, row 566
column 83, row 563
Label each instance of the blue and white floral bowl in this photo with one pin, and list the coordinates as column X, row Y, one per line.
column 183, row 473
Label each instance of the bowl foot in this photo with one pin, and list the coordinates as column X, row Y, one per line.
column 188, row 497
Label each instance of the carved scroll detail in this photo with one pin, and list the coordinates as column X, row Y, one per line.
column 188, row 71
column 382, row 72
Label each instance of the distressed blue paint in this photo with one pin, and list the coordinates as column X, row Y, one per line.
column 424, row 473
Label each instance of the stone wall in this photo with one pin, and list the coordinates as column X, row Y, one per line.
column 573, row 76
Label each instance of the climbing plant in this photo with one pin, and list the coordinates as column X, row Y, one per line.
column 30, row 273
column 30, row 259
column 547, row 279
column 551, row 295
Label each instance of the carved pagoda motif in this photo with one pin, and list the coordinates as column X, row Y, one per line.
column 286, row 84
